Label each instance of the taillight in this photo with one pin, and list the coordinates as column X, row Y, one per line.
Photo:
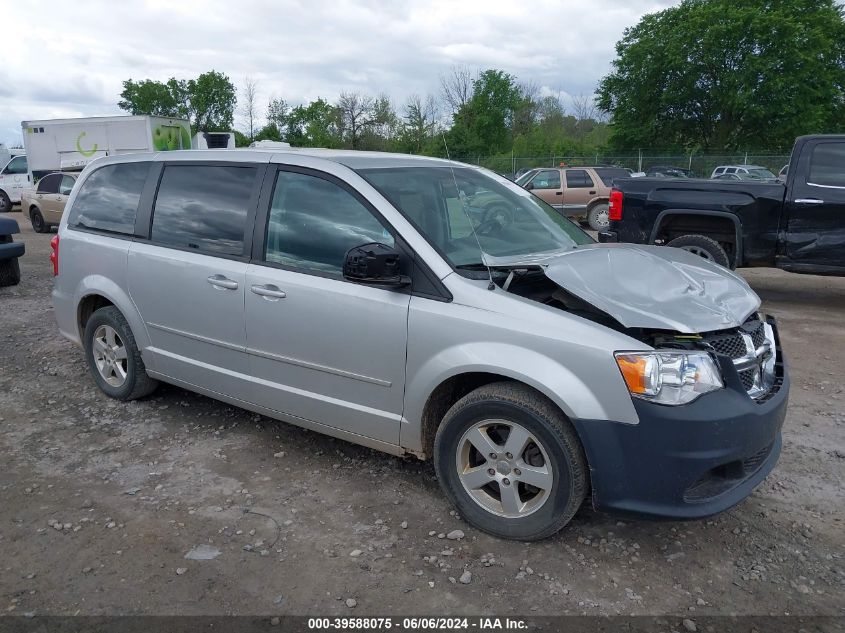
column 614, row 209
column 54, row 255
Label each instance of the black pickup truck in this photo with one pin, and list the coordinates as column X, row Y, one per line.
column 797, row 225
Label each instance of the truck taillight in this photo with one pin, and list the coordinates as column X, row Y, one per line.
column 614, row 209
column 54, row 255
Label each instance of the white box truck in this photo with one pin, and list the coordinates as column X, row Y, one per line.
column 68, row 144
column 213, row 140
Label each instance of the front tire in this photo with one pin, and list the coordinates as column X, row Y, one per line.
column 703, row 246
column 5, row 202
column 38, row 223
column 114, row 358
column 597, row 217
column 510, row 461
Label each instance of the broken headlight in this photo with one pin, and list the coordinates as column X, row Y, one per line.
column 669, row 377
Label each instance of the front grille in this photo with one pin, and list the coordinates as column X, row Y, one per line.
column 732, row 343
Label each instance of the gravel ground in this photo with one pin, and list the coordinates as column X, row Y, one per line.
column 180, row 504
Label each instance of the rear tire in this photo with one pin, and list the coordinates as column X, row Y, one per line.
column 114, row 358
column 5, row 202
column 703, row 246
column 490, row 487
column 38, row 223
column 10, row 272
column 597, row 217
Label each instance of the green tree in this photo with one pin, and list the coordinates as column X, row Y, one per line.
column 315, row 125
column 208, row 101
column 719, row 74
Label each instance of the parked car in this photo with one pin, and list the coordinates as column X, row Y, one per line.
column 753, row 170
column 10, row 251
column 667, row 171
column 45, row 203
column 737, row 176
column 577, row 192
column 798, row 225
column 351, row 293
column 13, row 178
column 782, row 173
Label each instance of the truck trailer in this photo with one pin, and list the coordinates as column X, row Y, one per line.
column 70, row 144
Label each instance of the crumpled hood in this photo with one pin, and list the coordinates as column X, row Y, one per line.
column 654, row 287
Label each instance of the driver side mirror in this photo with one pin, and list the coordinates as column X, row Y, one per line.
column 375, row 264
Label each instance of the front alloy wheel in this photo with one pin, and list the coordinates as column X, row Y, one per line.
column 511, row 462
column 504, row 468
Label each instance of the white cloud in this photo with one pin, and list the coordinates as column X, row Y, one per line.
column 74, row 56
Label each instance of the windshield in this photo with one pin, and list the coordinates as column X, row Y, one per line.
column 508, row 221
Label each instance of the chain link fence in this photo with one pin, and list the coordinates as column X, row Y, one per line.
column 701, row 165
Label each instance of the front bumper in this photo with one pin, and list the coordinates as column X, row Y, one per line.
column 688, row 461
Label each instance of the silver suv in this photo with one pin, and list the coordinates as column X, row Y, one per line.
column 430, row 308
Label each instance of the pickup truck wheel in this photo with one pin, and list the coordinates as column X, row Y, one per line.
column 597, row 217
column 114, row 358
column 511, row 462
column 10, row 272
column 703, row 246
column 5, row 203
column 38, row 224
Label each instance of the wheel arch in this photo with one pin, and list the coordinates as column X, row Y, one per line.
column 701, row 220
column 98, row 291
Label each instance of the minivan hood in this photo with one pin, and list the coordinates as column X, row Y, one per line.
column 654, row 287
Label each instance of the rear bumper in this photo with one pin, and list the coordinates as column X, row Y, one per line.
column 688, row 461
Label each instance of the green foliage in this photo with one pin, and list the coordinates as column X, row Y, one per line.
column 719, row 74
column 208, row 101
column 315, row 125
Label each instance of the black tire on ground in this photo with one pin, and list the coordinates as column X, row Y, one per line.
column 137, row 384
column 10, row 272
column 515, row 403
column 703, row 246
column 38, row 223
column 5, row 203
column 597, row 216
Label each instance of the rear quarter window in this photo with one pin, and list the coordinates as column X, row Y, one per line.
column 608, row 175
column 108, row 199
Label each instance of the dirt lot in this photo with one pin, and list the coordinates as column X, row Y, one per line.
column 101, row 501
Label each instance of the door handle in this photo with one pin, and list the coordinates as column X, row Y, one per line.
column 808, row 201
column 592, row 193
column 269, row 292
column 558, row 193
column 219, row 281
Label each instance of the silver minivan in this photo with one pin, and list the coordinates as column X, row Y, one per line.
column 425, row 307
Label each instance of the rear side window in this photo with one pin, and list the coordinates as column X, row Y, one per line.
column 827, row 165
column 578, row 179
column 49, row 184
column 108, row 199
column 203, row 207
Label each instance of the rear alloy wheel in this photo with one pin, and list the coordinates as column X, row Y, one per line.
column 597, row 217
column 703, row 246
column 511, row 462
column 114, row 358
column 38, row 223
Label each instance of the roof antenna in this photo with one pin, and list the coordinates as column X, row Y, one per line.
column 491, row 285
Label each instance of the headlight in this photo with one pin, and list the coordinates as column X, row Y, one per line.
column 669, row 377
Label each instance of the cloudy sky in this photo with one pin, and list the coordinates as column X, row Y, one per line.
column 69, row 58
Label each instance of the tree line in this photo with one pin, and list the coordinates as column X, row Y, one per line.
column 706, row 75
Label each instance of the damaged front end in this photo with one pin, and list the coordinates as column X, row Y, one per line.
column 666, row 298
